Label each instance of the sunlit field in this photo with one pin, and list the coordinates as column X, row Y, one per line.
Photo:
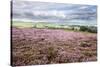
column 33, row 45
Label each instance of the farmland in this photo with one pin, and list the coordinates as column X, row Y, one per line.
column 47, row 25
column 33, row 45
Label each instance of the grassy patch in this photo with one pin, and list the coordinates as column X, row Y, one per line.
column 85, row 44
column 22, row 24
column 47, row 25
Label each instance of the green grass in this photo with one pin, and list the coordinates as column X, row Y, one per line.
column 35, row 25
column 22, row 24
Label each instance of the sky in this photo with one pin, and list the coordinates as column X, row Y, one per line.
column 54, row 12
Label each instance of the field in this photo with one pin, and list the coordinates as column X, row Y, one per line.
column 33, row 46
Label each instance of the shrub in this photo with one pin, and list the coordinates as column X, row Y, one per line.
column 83, row 28
column 85, row 44
column 51, row 53
column 90, row 29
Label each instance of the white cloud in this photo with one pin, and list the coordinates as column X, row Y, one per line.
column 83, row 7
column 52, row 13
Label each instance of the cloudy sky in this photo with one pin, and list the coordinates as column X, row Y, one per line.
column 54, row 12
